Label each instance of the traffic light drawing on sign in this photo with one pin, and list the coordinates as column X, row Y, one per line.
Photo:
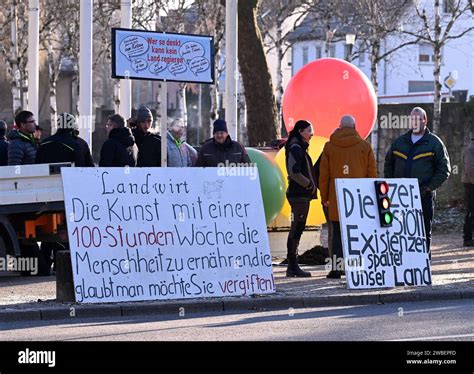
column 383, row 203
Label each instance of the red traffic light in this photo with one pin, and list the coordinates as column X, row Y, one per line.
column 383, row 188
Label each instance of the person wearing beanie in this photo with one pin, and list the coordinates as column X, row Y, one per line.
column 221, row 150
column 143, row 122
column 3, row 144
column 148, row 143
column 61, row 147
column 468, row 181
column 23, row 146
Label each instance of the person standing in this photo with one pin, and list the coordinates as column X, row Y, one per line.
column 302, row 188
column 120, row 149
column 180, row 153
column 221, row 150
column 61, row 147
column 3, row 144
column 468, row 181
column 23, row 146
column 148, row 143
column 346, row 155
column 420, row 154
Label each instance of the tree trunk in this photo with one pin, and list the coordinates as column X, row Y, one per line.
column 437, row 70
column 53, row 109
column 260, row 98
column 279, row 88
column 16, row 73
column 182, row 106
column 116, row 83
column 374, row 61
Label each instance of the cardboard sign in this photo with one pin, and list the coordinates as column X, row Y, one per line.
column 377, row 257
column 138, row 54
column 171, row 233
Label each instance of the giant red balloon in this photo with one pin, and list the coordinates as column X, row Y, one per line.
column 324, row 91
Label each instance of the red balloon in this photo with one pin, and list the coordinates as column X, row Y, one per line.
column 324, row 91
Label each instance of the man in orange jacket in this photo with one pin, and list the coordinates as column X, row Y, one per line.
column 346, row 155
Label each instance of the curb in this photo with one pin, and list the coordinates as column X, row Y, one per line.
column 186, row 307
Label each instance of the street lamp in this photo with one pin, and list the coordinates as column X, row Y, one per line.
column 350, row 41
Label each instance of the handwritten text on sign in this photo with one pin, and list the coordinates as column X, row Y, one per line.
column 377, row 257
column 149, row 234
column 160, row 56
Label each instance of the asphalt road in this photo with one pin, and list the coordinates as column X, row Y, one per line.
column 423, row 321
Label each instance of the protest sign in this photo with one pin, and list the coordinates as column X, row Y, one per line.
column 153, row 234
column 381, row 257
column 138, row 54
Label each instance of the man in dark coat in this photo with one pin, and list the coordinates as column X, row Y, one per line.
column 120, row 149
column 3, row 144
column 221, row 150
column 61, row 147
column 23, row 146
column 420, row 154
column 148, row 143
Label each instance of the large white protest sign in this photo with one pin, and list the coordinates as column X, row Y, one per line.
column 380, row 257
column 138, row 54
column 152, row 233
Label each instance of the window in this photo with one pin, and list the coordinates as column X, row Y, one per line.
column 448, row 6
column 305, row 55
column 426, row 53
column 420, row 86
column 319, row 53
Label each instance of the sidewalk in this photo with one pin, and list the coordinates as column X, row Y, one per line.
column 33, row 298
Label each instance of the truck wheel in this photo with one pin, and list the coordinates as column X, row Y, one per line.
column 33, row 251
column 3, row 248
column 3, row 253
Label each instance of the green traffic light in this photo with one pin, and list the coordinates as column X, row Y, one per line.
column 388, row 217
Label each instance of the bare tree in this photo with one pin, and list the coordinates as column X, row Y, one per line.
column 438, row 31
column 271, row 17
column 14, row 48
column 373, row 21
column 379, row 20
column 260, row 98
column 59, row 36
column 211, row 21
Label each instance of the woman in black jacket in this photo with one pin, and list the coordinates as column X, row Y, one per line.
column 302, row 187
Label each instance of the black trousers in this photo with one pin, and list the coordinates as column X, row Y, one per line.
column 299, row 214
column 427, row 204
column 469, row 207
column 337, row 240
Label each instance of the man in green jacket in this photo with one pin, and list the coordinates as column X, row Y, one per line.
column 420, row 154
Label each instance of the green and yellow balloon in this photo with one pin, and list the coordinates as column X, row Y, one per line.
column 272, row 183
